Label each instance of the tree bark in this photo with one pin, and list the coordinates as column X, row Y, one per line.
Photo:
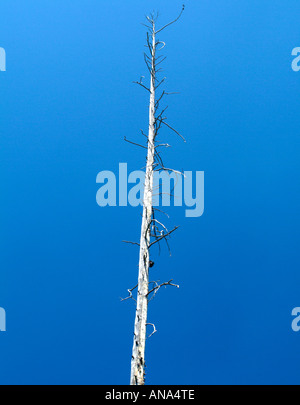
column 138, row 351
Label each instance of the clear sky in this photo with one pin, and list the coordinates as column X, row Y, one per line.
column 67, row 100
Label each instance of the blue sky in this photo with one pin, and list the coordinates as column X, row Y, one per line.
column 67, row 100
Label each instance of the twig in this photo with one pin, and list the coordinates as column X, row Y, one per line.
column 170, row 170
column 156, row 87
column 164, row 236
column 130, row 294
column 166, row 145
column 132, row 243
column 161, row 61
column 158, row 286
column 146, row 88
column 133, row 143
column 172, row 22
column 160, row 42
column 156, row 209
column 154, row 329
column 155, row 220
column 176, row 132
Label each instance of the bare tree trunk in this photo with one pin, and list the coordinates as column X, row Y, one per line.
column 152, row 231
column 138, row 351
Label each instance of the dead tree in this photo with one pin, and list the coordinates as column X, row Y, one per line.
column 153, row 231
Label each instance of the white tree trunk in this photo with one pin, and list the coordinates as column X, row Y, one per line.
column 138, row 351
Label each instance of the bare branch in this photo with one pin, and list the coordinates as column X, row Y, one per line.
column 130, row 296
column 166, row 145
column 160, row 42
column 159, row 99
column 141, row 84
column 169, row 249
column 161, row 114
column 143, row 133
column 156, row 209
column 148, row 26
column 156, row 87
column 154, row 329
column 154, row 230
column 133, row 143
column 158, row 157
column 131, row 243
column 158, row 286
column 147, row 63
column 164, row 236
column 170, row 170
column 172, row 22
column 161, row 61
column 155, row 289
column 150, row 19
column 162, row 225
column 149, row 44
column 174, row 130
